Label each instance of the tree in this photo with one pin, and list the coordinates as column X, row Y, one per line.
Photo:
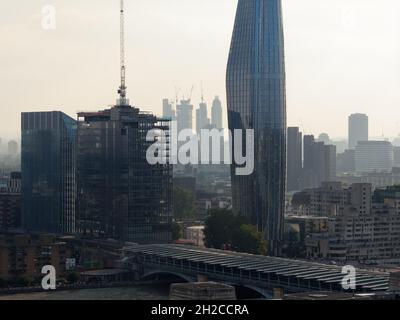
column 224, row 229
column 177, row 231
column 294, row 248
column 220, row 227
column 183, row 204
column 73, row 277
column 248, row 239
column 21, row 282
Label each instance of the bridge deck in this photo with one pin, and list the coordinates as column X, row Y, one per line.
column 189, row 259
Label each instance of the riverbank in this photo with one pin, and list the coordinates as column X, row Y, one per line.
column 73, row 287
column 133, row 292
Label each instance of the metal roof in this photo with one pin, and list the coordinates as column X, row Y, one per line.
column 300, row 269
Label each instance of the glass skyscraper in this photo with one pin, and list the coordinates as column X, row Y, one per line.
column 257, row 100
column 48, row 172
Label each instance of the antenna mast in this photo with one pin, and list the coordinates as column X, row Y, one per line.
column 122, row 89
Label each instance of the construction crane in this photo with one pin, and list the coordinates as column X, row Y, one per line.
column 191, row 93
column 122, row 89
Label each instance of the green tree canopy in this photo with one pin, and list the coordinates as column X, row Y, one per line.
column 224, row 229
column 183, row 203
column 177, row 231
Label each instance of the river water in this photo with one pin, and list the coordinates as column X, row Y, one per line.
column 139, row 292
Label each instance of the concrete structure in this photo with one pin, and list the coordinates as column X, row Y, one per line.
column 195, row 234
column 346, row 161
column 12, row 147
column 358, row 129
column 319, row 163
column 202, row 291
column 168, row 110
column 360, row 231
column 374, row 156
column 202, row 120
column 184, row 115
column 294, row 158
column 216, row 113
column 10, row 211
column 24, row 255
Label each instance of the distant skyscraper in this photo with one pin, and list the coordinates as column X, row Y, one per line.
column 48, row 172
column 319, row 163
column 257, row 100
column 12, row 147
column 346, row 161
column 294, row 159
column 120, row 195
column 184, row 115
column 202, row 120
column 358, row 129
column 168, row 110
column 374, row 156
column 216, row 113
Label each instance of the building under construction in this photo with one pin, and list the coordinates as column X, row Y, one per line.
column 120, row 195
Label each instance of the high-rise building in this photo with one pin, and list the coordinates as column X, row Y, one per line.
column 202, row 120
column 396, row 157
column 294, row 159
column 358, row 129
column 216, row 113
column 168, row 110
column 12, row 147
column 374, row 156
column 48, row 172
column 257, row 100
column 121, row 195
column 319, row 163
column 346, row 161
column 184, row 115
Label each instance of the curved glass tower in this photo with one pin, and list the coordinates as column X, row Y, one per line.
column 257, row 100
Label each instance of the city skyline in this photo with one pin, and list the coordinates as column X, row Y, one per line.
column 51, row 70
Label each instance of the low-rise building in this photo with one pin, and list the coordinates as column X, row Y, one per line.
column 24, row 255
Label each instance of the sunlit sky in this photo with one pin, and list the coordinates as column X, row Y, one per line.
column 342, row 56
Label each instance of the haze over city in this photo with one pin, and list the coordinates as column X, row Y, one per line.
column 341, row 58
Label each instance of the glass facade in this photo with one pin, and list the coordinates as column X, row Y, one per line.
column 257, row 100
column 48, row 172
column 120, row 195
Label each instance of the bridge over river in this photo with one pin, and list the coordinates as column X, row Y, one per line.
column 259, row 273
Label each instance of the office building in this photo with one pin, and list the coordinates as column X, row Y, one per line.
column 120, row 195
column 184, row 115
column 168, row 110
column 358, row 129
column 257, row 100
column 374, row 156
column 396, row 157
column 319, row 163
column 202, row 120
column 294, row 159
column 216, row 113
column 48, row 184
column 346, row 161
column 12, row 147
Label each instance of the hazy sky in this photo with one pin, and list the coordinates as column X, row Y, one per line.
column 343, row 56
